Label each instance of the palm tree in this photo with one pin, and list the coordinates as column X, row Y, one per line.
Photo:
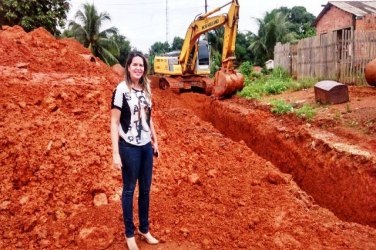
column 215, row 39
column 273, row 28
column 88, row 33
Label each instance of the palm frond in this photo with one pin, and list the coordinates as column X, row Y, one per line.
column 110, row 45
column 87, row 31
column 107, row 56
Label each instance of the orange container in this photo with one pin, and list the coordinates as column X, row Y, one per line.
column 370, row 72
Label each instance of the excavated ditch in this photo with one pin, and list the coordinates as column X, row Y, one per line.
column 338, row 175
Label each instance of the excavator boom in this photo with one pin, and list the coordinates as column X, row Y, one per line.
column 190, row 71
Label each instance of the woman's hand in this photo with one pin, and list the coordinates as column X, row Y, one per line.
column 155, row 149
column 117, row 160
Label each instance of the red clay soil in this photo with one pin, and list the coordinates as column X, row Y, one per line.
column 59, row 190
column 338, row 173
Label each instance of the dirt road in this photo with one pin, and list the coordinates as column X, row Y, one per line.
column 217, row 184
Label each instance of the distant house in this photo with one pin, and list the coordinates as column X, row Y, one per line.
column 346, row 15
column 344, row 44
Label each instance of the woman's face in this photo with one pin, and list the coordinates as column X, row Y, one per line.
column 136, row 69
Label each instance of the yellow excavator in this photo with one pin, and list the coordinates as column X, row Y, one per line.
column 191, row 67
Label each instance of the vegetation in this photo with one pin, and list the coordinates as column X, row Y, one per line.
column 306, row 112
column 246, row 69
column 258, row 85
column 300, row 20
column 280, row 25
column 177, row 43
column 124, row 47
column 159, row 48
column 281, row 107
column 87, row 32
column 49, row 14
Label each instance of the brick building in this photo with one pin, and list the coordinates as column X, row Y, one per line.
column 346, row 15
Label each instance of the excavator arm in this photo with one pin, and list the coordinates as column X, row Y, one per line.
column 196, row 29
column 231, row 27
column 205, row 23
column 227, row 80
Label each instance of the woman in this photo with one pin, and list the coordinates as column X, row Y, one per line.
column 133, row 142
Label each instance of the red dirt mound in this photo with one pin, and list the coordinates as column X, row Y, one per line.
column 39, row 51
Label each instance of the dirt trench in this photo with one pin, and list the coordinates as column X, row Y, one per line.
column 337, row 174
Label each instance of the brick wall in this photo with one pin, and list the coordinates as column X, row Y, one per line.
column 368, row 22
column 334, row 19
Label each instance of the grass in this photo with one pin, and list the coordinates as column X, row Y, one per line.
column 258, row 85
column 307, row 112
column 281, row 107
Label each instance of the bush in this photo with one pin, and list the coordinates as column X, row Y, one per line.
column 306, row 112
column 246, row 69
column 280, row 72
column 256, row 75
column 216, row 63
column 252, row 91
column 276, row 86
column 276, row 83
column 280, row 107
column 303, row 84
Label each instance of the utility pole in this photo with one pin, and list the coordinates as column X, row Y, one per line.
column 206, row 11
column 166, row 21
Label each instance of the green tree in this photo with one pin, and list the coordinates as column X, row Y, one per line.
column 67, row 33
column 124, row 46
column 215, row 39
column 301, row 20
column 33, row 14
column 177, row 43
column 273, row 28
column 159, row 48
column 243, row 41
column 87, row 32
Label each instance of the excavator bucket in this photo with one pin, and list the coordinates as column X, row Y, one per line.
column 227, row 82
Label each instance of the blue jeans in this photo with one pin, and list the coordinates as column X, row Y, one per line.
column 137, row 164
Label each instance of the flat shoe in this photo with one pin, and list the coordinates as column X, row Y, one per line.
column 149, row 238
column 131, row 243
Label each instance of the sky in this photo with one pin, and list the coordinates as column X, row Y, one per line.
column 144, row 22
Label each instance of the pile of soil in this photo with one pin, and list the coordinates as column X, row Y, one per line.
column 60, row 191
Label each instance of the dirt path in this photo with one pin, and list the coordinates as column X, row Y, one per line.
column 59, row 190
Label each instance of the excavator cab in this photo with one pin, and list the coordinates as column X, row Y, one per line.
column 203, row 58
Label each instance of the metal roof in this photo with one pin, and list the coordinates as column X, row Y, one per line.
column 357, row 8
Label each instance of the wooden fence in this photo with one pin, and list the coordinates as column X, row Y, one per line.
column 340, row 55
